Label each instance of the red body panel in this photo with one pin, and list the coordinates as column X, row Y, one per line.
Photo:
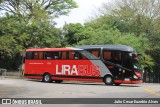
column 128, row 81
column 85, row 68
column 58, row 68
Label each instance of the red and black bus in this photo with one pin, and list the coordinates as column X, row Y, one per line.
column 111, row 64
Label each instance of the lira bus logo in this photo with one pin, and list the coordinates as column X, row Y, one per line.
column 81, row 70
column 67, row 69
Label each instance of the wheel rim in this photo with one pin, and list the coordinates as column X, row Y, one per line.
column 47, row 77
column 108, row 80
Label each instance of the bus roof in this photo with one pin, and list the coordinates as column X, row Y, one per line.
column 109, row 47
column 52, row 49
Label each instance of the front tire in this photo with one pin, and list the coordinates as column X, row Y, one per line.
column 47, row 78
column 108, row 80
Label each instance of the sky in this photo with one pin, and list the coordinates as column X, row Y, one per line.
column 85, row 10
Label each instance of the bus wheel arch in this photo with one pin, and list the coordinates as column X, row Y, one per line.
column 108, row 79
column 46, row 77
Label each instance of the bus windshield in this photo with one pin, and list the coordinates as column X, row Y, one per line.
column 136, row 65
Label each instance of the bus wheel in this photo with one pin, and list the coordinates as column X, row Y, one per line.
column 47, row 78
column 58, row 81
column 117, row 84
column 108, row 80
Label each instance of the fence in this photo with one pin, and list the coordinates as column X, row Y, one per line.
column 3, row 72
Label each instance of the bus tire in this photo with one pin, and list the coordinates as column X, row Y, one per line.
column 47, row 78
column 108, row 80
column 58, row 81
column 117, row 84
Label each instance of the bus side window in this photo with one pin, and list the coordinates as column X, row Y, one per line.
column 112, row 56
column 77, row 55
column 48, row 55
column 56, row 55
column 116, row 56
column 96, row 53
column 71, row 55
column 29, row 55
column 64, row 55
column 86, row 55
column 40, row 55
column 83, row 57
column 107, row 55
column 35, row 55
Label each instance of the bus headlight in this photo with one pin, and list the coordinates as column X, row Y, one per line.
column 135, row 77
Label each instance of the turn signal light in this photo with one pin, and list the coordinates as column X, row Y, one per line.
column 138, row 74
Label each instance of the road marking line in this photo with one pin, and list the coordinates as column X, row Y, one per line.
column 151, row 91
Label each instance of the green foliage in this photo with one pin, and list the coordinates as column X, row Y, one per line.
column 90, row 34
column 73, row 33
column 33, row 8
column 28, row 23
column 16, row 36
column 114, row 36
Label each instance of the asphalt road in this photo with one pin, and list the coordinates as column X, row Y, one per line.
column 26, row 88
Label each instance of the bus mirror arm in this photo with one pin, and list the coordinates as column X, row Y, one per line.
column 116, row 65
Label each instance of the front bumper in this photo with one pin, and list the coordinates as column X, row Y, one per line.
column 138, row 81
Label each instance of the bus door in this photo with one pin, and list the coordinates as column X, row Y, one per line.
column 113, row 61
column 127, row 64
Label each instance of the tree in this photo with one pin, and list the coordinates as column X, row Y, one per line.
column 16, row 37
column 28, row 23
column 138, row 16
column 73, row 33
column 29, row 8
